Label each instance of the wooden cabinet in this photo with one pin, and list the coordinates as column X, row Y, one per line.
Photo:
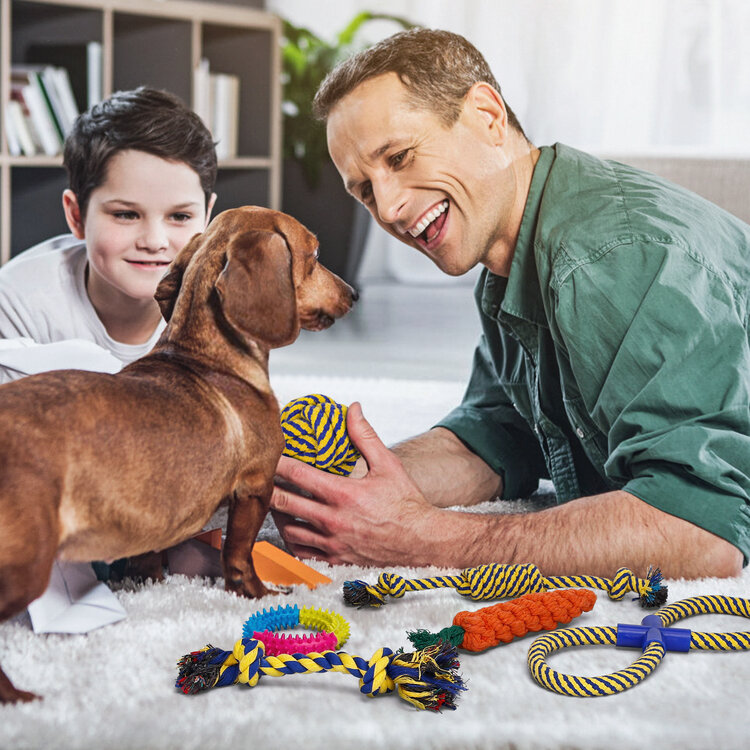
column 155, row 42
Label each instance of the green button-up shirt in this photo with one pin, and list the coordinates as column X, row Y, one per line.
column 615, row 355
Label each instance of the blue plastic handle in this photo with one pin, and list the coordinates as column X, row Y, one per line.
column 651, row 630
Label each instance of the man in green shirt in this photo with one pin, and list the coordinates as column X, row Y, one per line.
column 614, row 357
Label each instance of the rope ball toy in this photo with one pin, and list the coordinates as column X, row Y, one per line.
column 262, row 626
column 501, row 623
column 653, row 636
column 428, row 678
column 314, row 430
column 498, row 581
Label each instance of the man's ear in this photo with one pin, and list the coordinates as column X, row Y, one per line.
column 73, row 214
column 487, row 104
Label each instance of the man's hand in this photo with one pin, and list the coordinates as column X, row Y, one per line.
column 378, row 516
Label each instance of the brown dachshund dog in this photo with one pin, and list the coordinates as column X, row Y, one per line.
column 99, row 467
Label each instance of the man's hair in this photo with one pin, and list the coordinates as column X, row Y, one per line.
column 437, row 68
column 144, row 119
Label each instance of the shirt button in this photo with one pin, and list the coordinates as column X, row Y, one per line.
column 579, row 432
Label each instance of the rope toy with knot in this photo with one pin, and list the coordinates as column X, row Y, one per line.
column 334, row 630
column 498, row 581
column 314, row 430
column 501, row 623
column 427, row 679
column 653, row 636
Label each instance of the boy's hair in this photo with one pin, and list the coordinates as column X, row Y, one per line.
column 144, row 119
column 437, row 68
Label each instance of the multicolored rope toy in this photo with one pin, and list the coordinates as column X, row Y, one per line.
column 498, row 581
column 427, row 679
column 314, row 429
column 654, row 636
column 334, row 630
column 501, row 623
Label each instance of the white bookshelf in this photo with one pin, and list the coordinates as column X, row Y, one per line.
column 155, row 42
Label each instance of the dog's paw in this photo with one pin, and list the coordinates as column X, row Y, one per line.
column 12, row 694
column 252, row 588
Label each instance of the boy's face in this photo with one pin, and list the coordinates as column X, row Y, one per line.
column 137, row 220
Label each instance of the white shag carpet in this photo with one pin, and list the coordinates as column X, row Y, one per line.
column 114, row 688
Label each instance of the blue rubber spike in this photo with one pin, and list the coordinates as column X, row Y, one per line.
column 273, row 619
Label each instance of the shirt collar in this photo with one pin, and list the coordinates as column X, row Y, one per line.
column 519, row 295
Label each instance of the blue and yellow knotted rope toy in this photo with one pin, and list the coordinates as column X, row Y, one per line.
column 498, row 581
column 428, row 679
column 314, row 430
column 653, row 636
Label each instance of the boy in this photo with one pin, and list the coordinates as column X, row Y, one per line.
column 141, row 169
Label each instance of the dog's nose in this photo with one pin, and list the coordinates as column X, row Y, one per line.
column 355, row 294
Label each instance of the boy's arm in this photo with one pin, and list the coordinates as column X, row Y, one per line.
column 15, row 319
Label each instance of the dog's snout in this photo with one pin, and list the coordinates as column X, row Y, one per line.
column 355, row 293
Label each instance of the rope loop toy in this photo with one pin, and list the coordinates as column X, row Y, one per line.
column 314, row 430
column 501, row 623
column 498, row 581
column 653, row 636
column 428, row 679
column 262, row 626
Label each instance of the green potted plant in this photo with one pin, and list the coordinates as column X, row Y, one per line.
column 313, row 192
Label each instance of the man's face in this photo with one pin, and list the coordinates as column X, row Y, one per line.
column 435, row 188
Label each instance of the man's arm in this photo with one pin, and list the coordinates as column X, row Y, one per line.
column 446, row 471
column 383, row 518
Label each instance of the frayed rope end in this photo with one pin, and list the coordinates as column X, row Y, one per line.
column 429, row 678
column 422, row 639
column 361, row 594
column 199, row 670
column 657, row 591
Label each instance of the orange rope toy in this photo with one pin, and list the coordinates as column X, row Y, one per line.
column 501, row 623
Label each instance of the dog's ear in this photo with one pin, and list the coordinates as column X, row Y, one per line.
column 169, row 287
column 256, row 289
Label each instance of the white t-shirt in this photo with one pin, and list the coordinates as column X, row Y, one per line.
column 43, row 297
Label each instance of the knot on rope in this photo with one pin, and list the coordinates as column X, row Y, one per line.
column 375, row 679
column 625, row 580
column 249, row 654
column 314, row 428
column 498, row 581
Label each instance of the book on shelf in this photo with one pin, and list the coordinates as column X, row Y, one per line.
column 202, row 92
column 226, row 98
column 17, row 134
column 83, row 63
column 27, row 87
column 24, row 124
column 217, row 102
